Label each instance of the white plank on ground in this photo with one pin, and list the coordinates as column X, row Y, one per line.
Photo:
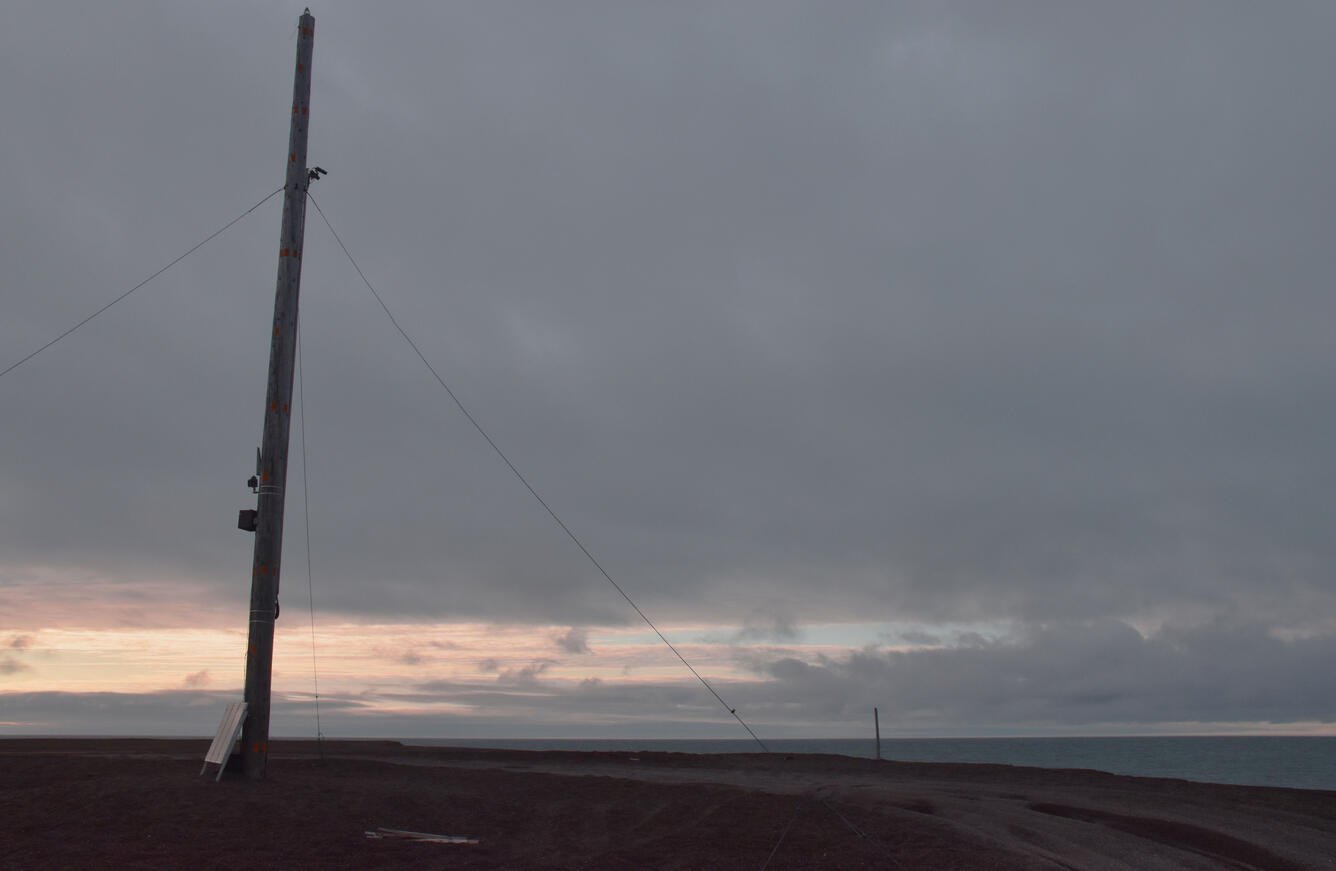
column 425, row 837
column 228, row 732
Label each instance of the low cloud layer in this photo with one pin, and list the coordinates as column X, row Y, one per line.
column 1098, row 676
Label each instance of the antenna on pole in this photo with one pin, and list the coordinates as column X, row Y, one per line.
column 266, row 521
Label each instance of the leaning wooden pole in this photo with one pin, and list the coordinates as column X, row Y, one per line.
column 273, row 471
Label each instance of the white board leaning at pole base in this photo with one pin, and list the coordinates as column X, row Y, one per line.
column 228, row 732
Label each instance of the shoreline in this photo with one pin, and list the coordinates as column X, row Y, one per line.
column 136, row 802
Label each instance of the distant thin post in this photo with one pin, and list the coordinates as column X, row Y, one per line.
column 876, row 724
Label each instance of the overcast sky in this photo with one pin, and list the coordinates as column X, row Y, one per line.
column 972, row 360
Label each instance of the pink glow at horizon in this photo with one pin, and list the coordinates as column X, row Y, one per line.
column 351, row 657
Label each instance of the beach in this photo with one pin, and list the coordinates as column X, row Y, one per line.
column 141, row 803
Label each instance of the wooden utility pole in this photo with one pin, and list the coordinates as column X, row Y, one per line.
column 272, row 474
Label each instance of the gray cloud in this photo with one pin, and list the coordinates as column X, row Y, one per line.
column 573, row 640
column 525, row 675
column 761, row 625
column 198, row 680
column 778, row 627
column 1096, row 672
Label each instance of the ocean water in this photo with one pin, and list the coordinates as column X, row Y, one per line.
column 1300, row 762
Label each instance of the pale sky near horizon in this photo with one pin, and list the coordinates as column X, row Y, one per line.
column 970, row 360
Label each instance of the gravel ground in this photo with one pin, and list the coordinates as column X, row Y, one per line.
column 84, row 803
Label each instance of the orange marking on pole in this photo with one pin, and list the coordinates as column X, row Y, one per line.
column 255, row 748
column 292, row 158
column 300, row 67
column 303, row 110
column 273, row 406
column 285, row 408
column 266, row 476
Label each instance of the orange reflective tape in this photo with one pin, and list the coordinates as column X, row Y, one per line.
column 255, row 748
column 303, row 110
column 300, row 67
column 273, row 406
column 266, row 476
column 285, row 408
column 292, row 158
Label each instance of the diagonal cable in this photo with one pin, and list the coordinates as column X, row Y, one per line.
column 306, row 515
column 207, row 239
column 541, row 501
